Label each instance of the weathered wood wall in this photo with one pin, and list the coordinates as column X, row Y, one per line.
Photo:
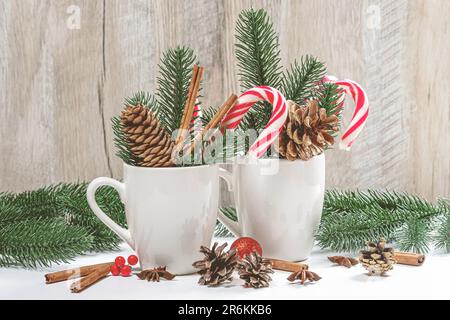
column 60, row 85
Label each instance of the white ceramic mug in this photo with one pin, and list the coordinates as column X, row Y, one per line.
column 279, row 203
column 170, row 213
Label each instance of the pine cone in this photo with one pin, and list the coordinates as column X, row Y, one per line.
column 378, row 259
column 307, row 131
column 217, row 266
column 148, row 141
column 255, row 270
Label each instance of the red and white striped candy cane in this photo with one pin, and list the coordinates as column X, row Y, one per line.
column 276, row 122
column 196, row 122
column 360, row 114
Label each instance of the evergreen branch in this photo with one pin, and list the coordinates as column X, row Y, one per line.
column 30, row 204
column 350, row 218
column 33, row 243
column 442, row 238
column 328, row 96
column 120, row 141
column 67, row 202
column 258, row 61
column 175, row 70
column 78, row 213
column 142, row 98
column 257, row 50
column 207, row 115
column 414, row 236
column 301, row 79
column 224, row 148
column 221, row 230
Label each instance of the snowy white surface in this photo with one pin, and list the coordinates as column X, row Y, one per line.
column 429, row 281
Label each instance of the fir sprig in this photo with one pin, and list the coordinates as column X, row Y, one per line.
column 258, row 60
column 221, row 230
column 350, row 218
column 175, row 71
column 301, row 79
column 328, row 97
column 123, row 150
column 414, row 236
column 259, row 63
column 16, row 207
column 32, row 223
column 142, row 98
column 257, row 50
column 74, row 205
column 33, row 243
column 442, row 237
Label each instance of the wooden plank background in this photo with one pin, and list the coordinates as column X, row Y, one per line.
column 59, row 86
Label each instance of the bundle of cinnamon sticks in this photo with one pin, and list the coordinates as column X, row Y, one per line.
column 194, row 86
column 88, row 275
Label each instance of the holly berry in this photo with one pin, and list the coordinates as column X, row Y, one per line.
column 125, row 271
column 115, row 270
column 132, row 260
column 119, row 261
column 245, row 246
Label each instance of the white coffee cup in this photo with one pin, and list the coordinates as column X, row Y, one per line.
column 170, row 213
column 279, row 203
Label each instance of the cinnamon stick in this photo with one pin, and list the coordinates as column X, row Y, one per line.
column 75, row 272
column 411, row 259
column 89, row 280
column 223, row 109
column 287, row 265
column 194, row 86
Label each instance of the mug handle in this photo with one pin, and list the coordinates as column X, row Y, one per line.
column 120, row 188
column 233, row 226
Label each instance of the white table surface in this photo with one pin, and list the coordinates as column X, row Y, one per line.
column 429, row 281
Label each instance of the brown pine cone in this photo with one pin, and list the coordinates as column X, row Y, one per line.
column 378, row 259
column 217, row 266
column 308, row 130
column 255, row 270
column 147, row 139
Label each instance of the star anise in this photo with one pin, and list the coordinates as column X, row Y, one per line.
column 155, row 274
column 304, row 275
column 344, row 261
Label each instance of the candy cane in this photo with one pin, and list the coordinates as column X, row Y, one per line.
column 273, row 127
column 196, row 122
column 360, row 114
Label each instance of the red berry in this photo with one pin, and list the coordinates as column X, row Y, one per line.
column 125, row 271
column 115, row 270
column 120, row 261
column 246, row 245
column 132, row 260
